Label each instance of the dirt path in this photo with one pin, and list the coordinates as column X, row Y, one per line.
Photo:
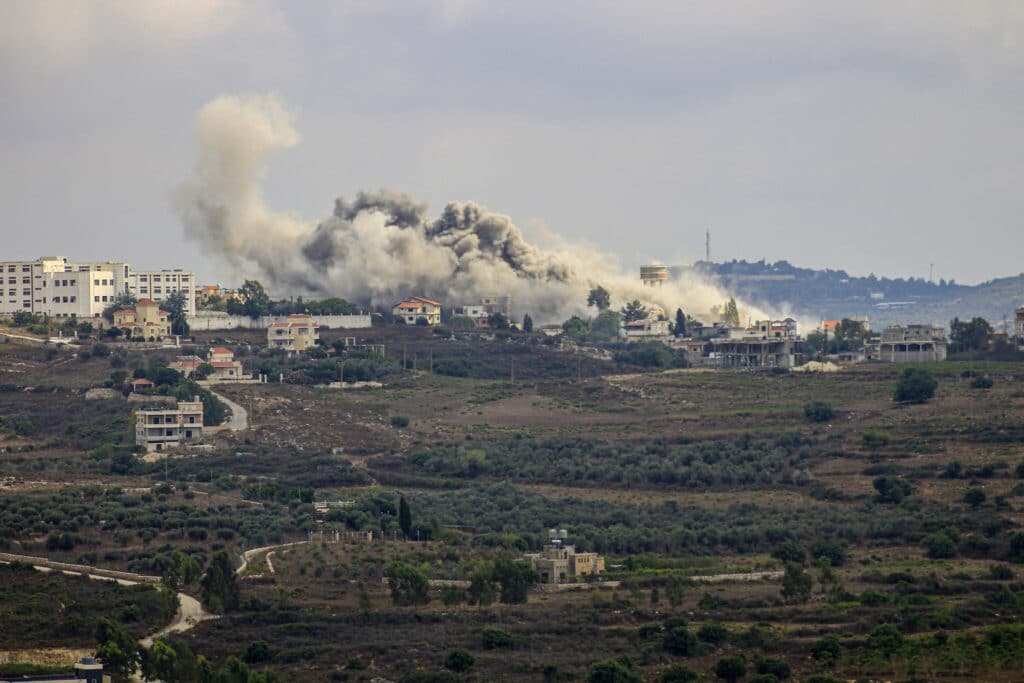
column 249, row 554
column 239, row 416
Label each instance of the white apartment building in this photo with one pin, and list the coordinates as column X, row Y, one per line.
column 160, row 284
column 53, row 286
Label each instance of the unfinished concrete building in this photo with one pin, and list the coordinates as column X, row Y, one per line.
column 909, row 344
column 653, row 276
column 755, row 352
column 559, row 563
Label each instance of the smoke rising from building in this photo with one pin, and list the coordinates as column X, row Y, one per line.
column 383, row 246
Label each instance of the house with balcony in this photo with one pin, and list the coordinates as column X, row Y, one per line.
column 297, row 333
column 161, row 427
column 412, row 309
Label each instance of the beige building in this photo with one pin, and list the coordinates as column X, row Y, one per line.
column 559, row 563
column 297, row 333
column 159, row 428
column 225, row 367
column 157, row 285
column 648, row 328
column 416, row 307
column 147, row 321
column 482, row 312
column 1018, row 325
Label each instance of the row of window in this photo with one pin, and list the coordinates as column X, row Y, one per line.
column 14, row 281
column 24, row 269
column 170, row 278
column 65, row 283
column 62, row 300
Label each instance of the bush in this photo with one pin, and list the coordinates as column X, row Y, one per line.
column 939, row 546
column 774, row 667
column 1000, row 572
column 981, row 383
column 713, row 633
column 916, row 385
column 830, row 549
column 974, row 497
column 680, row 641
column 399, row 421
column 496, row 638
column 612, row 671
column 677, row 673
column 819, row 411
column 458, row 660
column 731, row 668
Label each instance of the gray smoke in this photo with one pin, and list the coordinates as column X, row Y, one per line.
column 383, row 246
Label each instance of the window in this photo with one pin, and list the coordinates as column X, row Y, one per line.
column 12, row 280
column 11, row 292
column 184, row 278
column 144, row 290
column 96, row 282
column 103, row 282
column 10, row 269
column 73, row 282
column 156, row 278
column 103, row 298
column 157, row 290
column 26, row 269
column 26, row 304
column 56, row 300
column 72, row 299
column 65, row 299
column 96, row 298
column 26, row 280
column 26, row 292
column 143, row 278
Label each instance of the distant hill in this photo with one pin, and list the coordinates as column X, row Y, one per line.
column 832, row 294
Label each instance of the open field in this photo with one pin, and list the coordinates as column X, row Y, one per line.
column 668, row 474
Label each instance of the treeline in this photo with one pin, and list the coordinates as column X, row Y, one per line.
column 744, row 461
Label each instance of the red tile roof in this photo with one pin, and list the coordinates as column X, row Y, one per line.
column 220, row 350
column 145, row 302
column 141, row 380
column 426, row 301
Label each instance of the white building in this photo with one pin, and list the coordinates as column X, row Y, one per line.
column 160, row 284
column 56, row 287
column 297, row 333
column 159, row 428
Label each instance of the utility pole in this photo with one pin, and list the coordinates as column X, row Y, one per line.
column 431, row 361
column 403, row 358
column 931, row 273
column 707, row 246
column 512, row 377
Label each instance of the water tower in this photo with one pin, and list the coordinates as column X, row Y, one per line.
column 653, row 276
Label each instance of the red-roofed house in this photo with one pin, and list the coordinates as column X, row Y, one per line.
column 225, row 367
column 297, row 333
column 416, row 307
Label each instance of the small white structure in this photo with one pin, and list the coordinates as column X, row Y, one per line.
column 159, row 428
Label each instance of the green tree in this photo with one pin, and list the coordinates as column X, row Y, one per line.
column 892, row 489
column 885, row 639
column 678, row 673
column 409, row 586
column 827, row 650
column 974, row 497
column 731, row 668
column 220, row 585
column 605, row 326
column 176, row 306
column 482, row 590
column 203, row 371
column 514, row 580
column 255, row 301
column 459, row 660
column 796, row 584
column 819, row 411
column 497, row 321
column 916, row 385
column 634, row 310
column 679, row 640
column 731, row 314
column 462, row 322
column 973, row 335
column 527, row 323
column 599, row 298
column 939, row 546
column 404, row 517
column 612, row 671
column 117, row 648
column 122, row 300
column 680, row 327
column 575, row 328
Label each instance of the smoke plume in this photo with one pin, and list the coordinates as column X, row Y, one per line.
column 383, row 246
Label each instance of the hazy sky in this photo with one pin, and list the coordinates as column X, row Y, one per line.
column 868, row 136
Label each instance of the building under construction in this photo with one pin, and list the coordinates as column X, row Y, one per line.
column 653, row 276
column 755, row 352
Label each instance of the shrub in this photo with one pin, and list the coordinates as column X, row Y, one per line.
column 713, row 633
column 677, row 673
column 981, row 383
column 875, row 440
column 885, row 639
column 612, row 671
column 827, row 649
column 830, row 549
column 1000, row 572
column 916, row 385
column 496, row 638
column 939, row 546
column 974, row 497
column 680, row 641
column 731, row 668
column 399, row 421
column 790, row 552
column 773, row 666
column 819, row 411
column 458, row 660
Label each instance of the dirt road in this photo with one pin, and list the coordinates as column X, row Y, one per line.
column 239, row 417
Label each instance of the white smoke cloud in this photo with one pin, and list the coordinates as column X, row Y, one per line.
column 383, row 246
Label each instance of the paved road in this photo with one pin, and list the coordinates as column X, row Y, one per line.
column 190, row 610
column 239, row 417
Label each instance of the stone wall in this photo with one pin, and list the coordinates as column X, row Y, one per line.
column 215, row 320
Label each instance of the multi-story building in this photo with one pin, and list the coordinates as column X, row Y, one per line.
column 650, row 327
column 909, row 344
column 297, row 333
column 416, row 307
column 1018, row 325
column 482, row 312
column 160, row 284
column 559, row 563
column 56, row 287
column 160, row 427
column 225, row 367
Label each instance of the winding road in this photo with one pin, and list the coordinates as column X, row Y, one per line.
column 239, row 416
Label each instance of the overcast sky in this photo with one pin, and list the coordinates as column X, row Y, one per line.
column 867, row 136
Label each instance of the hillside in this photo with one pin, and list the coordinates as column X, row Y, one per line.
column 831, row 294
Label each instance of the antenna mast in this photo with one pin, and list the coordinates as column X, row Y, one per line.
column 707, row 246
